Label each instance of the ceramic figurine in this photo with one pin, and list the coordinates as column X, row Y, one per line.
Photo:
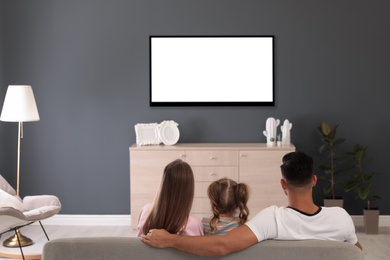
column 285, row 128
column 279, row 140
column 270, row 129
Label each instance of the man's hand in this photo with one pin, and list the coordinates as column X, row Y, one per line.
column 157, row 237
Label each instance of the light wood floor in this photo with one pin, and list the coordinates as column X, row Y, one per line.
column 375, row 247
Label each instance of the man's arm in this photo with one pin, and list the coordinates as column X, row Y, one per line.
column 235, row 240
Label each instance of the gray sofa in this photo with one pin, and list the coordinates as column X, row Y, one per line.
column 118, row 248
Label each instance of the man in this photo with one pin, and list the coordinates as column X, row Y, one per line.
column 300, row 220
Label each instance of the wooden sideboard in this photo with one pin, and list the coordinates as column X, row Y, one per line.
column 256, row 164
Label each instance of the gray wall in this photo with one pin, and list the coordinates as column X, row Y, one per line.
column 88, row 63
column 4, row 132
column 1, row 43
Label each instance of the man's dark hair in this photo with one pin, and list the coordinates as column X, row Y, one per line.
column 297, row 169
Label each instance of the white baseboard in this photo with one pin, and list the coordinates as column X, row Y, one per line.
column 384, row 221
column 87, row 220
column 125, row 220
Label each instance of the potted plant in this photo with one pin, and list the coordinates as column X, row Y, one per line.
column 330, row 167
column 361, row 183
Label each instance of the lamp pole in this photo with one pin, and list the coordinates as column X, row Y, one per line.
column 20, row 136
column 19, row 106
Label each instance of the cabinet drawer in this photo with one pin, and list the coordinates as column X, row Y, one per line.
column 201, row 206
column 201, row 189
column 212, row 158
column 210, row 174
column 152, row 161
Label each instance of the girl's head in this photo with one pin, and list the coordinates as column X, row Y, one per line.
column 174, row 199
column 228, row 198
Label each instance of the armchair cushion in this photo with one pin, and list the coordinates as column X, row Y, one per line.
column 41, row 206
column 9, row 201
column 37, row 201
column 5, row 186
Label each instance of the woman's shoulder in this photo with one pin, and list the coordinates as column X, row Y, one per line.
column 194, row 220
column 146, row 207
column 145, row 211
column 142, row 218
column 194, row 227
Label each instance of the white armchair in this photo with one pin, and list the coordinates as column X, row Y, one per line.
column 16, row 213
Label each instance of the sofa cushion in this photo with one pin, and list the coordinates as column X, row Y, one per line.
column 118, row 248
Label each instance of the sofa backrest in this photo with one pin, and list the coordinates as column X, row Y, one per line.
column 118, row 248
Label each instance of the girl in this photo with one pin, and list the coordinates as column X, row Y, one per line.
column 228, row 204
column 172, row 204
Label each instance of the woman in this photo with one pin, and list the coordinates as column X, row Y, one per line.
column 172, row 204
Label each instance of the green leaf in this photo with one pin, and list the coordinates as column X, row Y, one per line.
column 325, row 128
column 350, row 186
column 359, row 155
column 363, row 193
column 322, row 148
column 338, row 141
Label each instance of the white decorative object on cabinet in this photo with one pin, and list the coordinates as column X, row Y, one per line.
column 168, row 132
column 271, row 126
column 147, row 134
column 285, row 129
column 258, row 165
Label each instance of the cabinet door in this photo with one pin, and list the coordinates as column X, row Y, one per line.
column 261, row 171
column 146, row 169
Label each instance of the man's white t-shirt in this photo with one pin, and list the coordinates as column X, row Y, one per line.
column 286, row 223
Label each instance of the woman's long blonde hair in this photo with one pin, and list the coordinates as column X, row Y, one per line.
column 230, row 198
column 173, row 201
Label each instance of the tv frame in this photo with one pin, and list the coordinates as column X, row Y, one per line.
column 154, row 103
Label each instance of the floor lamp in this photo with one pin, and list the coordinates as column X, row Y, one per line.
column 19, row 106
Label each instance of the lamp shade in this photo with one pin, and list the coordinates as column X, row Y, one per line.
column 19, row 105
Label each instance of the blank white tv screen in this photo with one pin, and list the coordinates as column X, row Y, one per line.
column 212, row 70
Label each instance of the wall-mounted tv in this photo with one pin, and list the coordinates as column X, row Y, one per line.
column 212, row 70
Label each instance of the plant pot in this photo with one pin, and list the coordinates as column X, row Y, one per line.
column 371, row 221
column 333, row 202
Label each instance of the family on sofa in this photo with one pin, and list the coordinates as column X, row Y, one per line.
column 161, row 224
column 301, row 230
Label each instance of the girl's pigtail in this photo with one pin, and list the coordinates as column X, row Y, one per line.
column 242, row 197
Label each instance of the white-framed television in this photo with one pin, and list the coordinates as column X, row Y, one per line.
column 212, row 70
